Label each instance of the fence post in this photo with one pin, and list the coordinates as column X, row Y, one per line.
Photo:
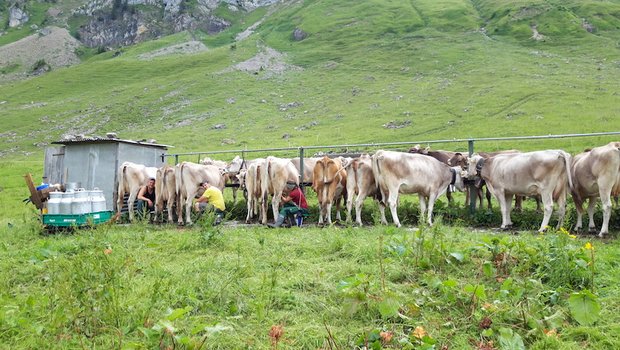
column 301, row 169
column 473, row 191
column 176, row 159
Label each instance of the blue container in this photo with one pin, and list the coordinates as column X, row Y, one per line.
column 42, row 187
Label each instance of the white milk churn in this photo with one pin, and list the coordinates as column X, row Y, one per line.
column 81, row 202
column 65, row 202
column 53, row 204
column 97, row 200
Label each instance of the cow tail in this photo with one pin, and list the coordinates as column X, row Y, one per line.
column 121, row 188
column 376, row 171
column 567, row 161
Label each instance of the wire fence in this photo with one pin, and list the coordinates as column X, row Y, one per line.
column 355, row 149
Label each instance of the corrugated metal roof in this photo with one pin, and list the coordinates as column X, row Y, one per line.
column 96, row 139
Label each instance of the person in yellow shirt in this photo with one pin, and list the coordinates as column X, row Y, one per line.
column 213, row 196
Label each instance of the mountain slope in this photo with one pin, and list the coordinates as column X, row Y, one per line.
column 447, row 69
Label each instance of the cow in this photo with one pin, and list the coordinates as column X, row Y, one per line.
column 361, row 182
column 596, row 173
column 398, row 172
column 229, row 170
column 329, row 180
column 545, row 173
column 131, row 177
column 189, row 175
column 166, row 191
column 309, row 164
column 275, row 173
column 448, row 158
column 250, row 182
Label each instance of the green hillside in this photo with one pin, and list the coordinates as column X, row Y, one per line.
column 445, row 69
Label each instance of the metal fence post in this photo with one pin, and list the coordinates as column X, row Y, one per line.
column 301, row 169
column 473, row 191
column 176, row 159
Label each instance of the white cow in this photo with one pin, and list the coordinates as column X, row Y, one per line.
column 166, row 191
column 544, row 173
column 596, row 174
column 250, row 182
column 189, row 176
column 131, row 177
column 361, row 182
column 275, row 173
column 397, row 172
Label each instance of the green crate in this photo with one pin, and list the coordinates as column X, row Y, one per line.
column 64, row 220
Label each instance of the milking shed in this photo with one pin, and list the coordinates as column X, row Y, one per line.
column 90, row 162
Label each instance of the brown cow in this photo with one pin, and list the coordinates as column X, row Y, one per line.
column 361, row 182
column 596, row 174
column 329, row 181
column 397, row 172
column 165, row 191
column 544, row 173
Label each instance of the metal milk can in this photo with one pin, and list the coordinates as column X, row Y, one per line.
column 65, row 202
column 53, row 204
column 97, row 200
column 81, row 202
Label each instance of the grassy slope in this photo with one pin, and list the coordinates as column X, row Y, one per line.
column 365, row 64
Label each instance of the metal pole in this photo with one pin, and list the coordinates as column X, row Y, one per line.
column 301, row 169
column 176, row 159
column 473, row 191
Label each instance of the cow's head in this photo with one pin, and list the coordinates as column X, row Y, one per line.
column 458, row 178
column 459, row 160
column 241, row 178
column 416, row 149
column 474, row 166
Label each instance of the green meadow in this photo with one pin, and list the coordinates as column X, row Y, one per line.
column 443, row 70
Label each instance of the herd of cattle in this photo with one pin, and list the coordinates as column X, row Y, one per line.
column 548, row 175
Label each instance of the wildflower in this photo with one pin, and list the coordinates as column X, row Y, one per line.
column 589, row 246
column 551, row 333
column 419, row 332
column 386, row 337
column 275, row 333
column 107, row 251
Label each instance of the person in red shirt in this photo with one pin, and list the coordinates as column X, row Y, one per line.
column 294, row 202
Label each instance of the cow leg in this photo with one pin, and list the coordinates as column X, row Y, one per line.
column 561, row 210
column 431, row 204
column 579, row 207
column 591, row 206
column 188, row 210
column 328, row 212
column 449, row 195
column 467, row 194
column 250, row 207
column 606, row 204
column 169, row 206
column 392, row 202
column 234, row 193
column 422, row 209
column 480, row 197
column 547, row 199
column 130, row 201
column 350, row 205
column 503, row 207
column 180, row 205
column 275, row 205
column 488, row 195
column 359, row 201
column 538, row 200
column 265, row 199
column 518, row 203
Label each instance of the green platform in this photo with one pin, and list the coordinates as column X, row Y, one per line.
column 65, row 220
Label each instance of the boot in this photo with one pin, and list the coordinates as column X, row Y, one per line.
column 278, row 222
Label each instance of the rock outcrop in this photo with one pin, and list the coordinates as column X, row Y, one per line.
column 17, row 17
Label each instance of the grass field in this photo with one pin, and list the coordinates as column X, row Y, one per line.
column 145, row 287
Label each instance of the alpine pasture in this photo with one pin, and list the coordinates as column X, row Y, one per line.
column 441, row 70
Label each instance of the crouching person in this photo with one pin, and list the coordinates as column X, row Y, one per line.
column 212, row 195
column 294, row 203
